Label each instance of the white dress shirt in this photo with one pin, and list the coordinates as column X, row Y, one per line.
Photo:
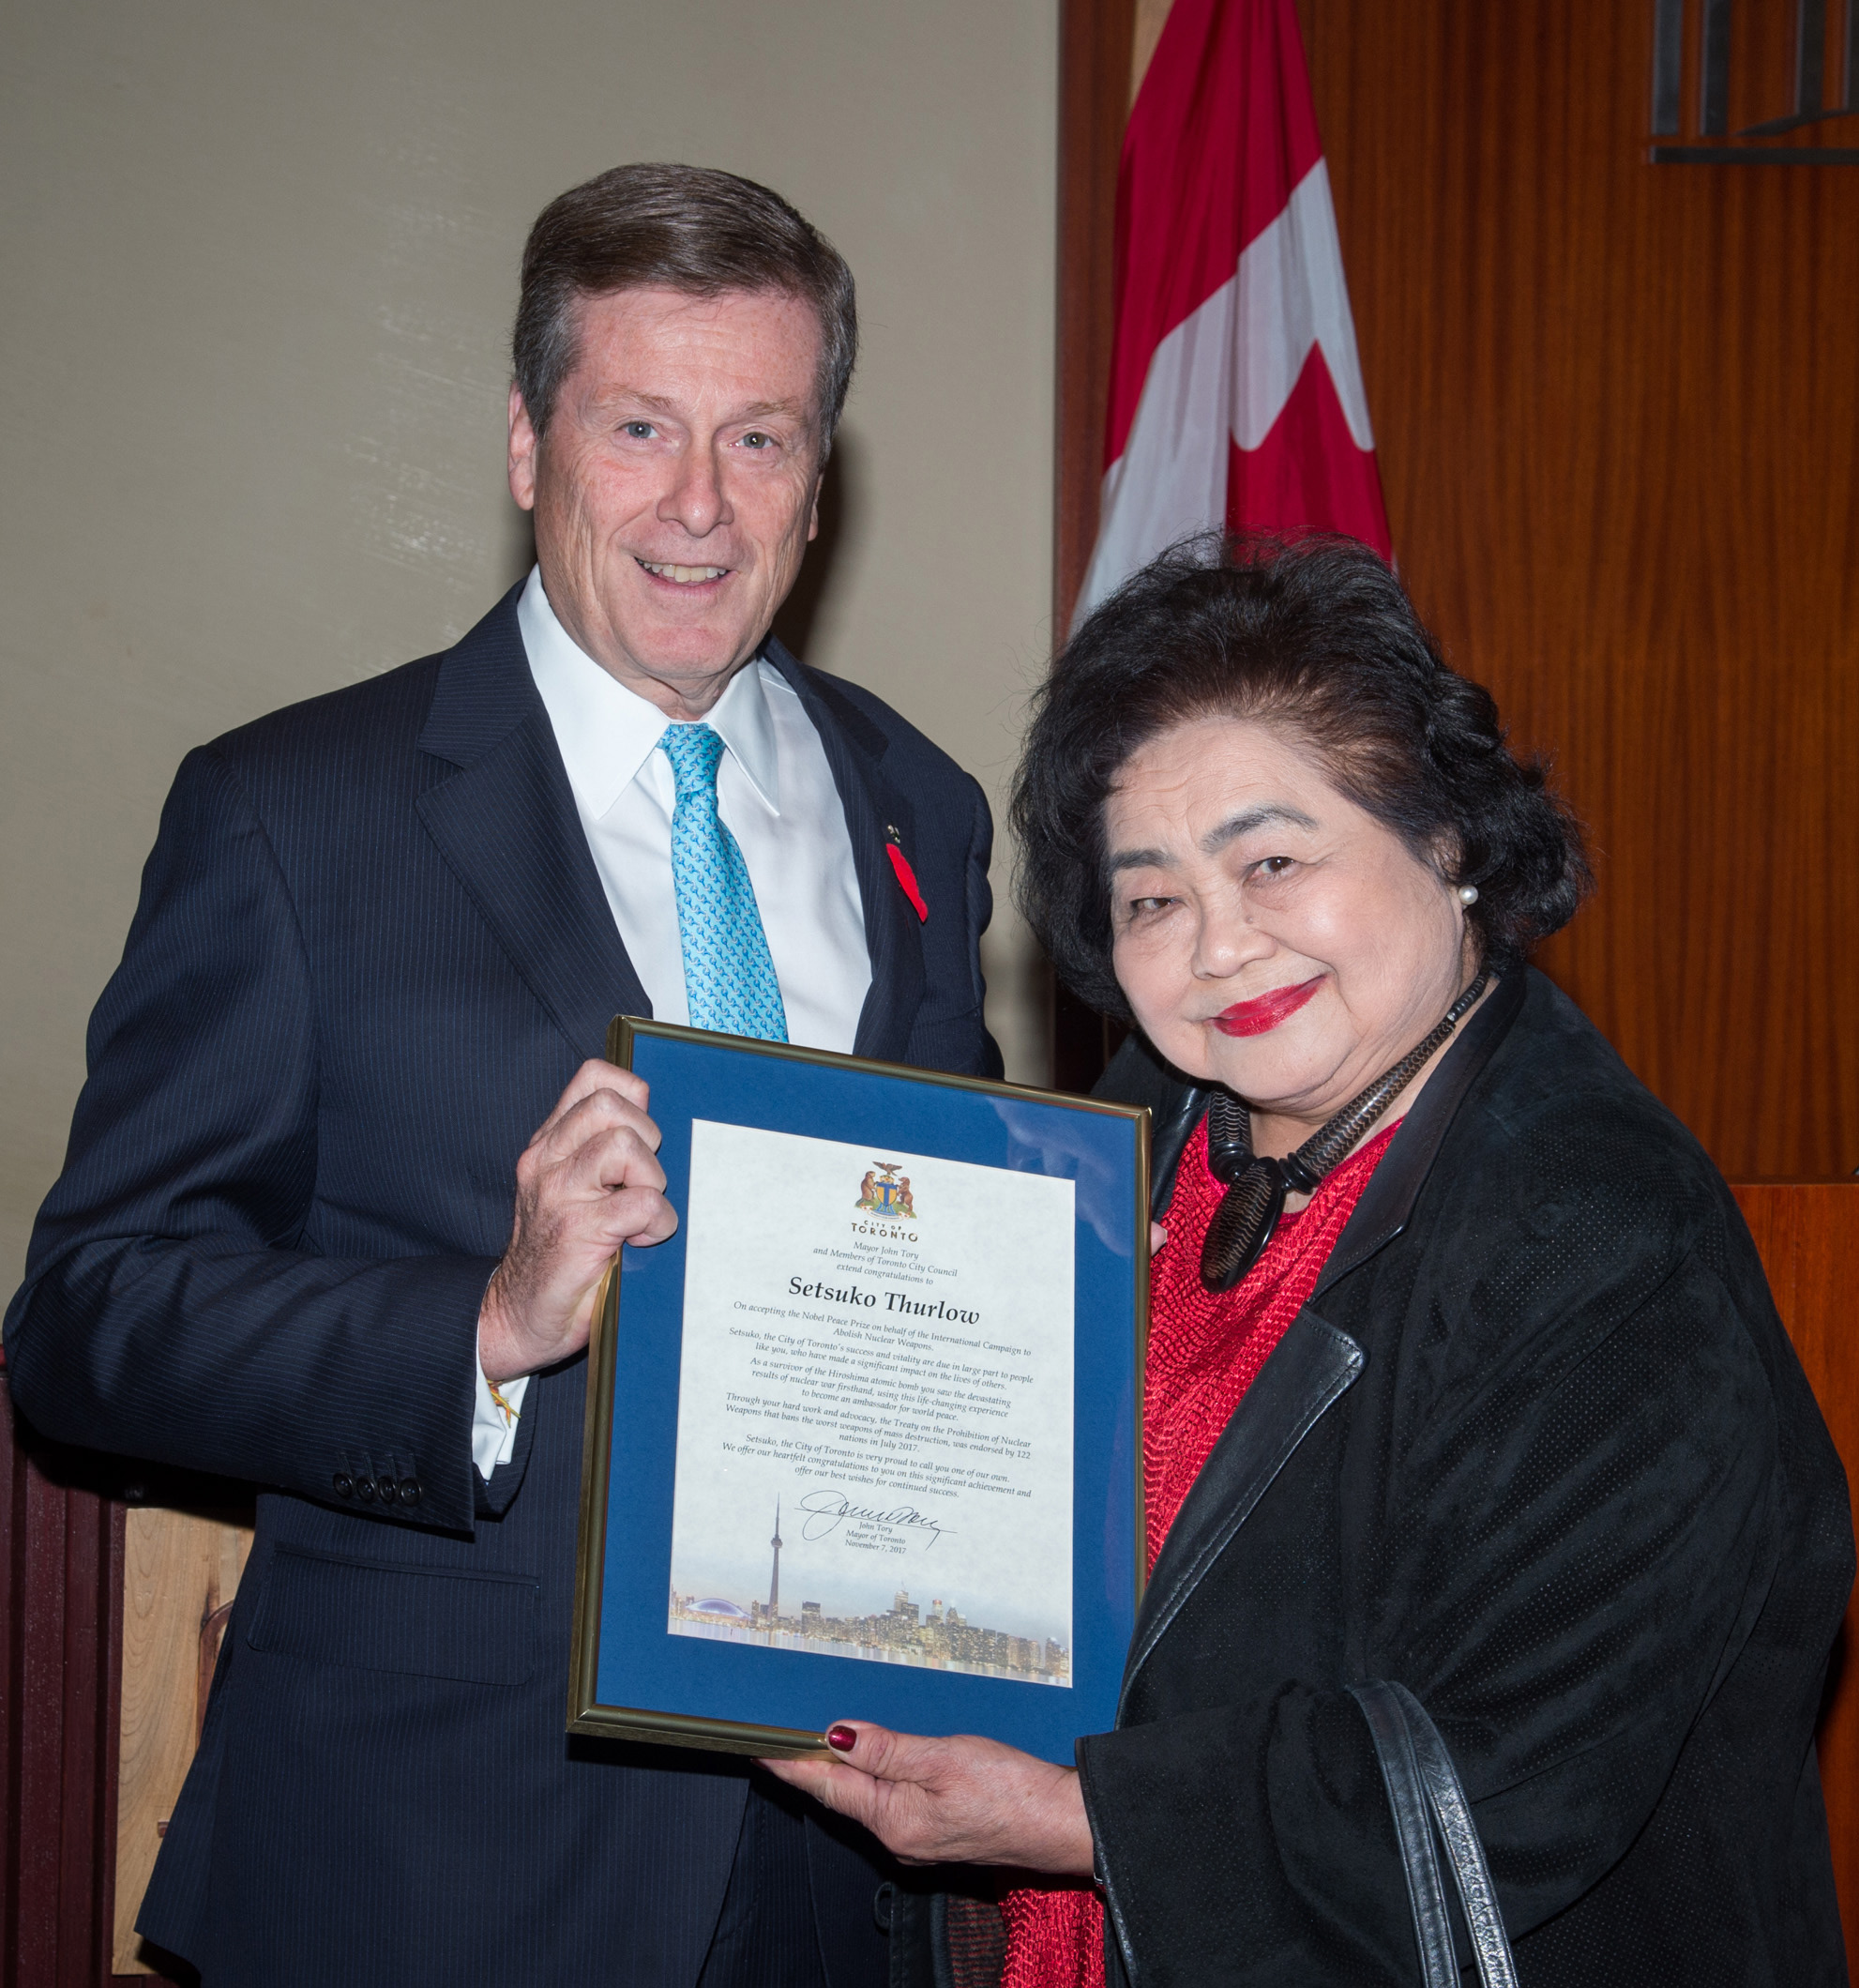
column 775, row 793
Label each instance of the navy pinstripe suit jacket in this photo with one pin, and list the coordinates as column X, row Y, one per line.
column 371, row 948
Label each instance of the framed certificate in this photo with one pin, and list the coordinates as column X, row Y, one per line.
column 863, row 1437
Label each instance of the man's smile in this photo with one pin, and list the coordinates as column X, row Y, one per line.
column 682, row 575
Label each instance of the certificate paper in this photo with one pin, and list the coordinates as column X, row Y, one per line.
column 874, row 1434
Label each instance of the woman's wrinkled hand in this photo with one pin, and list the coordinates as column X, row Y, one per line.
column 959, row 1800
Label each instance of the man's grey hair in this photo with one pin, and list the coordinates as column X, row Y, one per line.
column 674, row 227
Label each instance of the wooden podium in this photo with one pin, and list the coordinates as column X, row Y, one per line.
column 114, row 1604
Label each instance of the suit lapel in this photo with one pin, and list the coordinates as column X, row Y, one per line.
column 506, row 822
column 1315, row 1365
column 1393, row 1187
column 854, row 749
column 1310, row 1367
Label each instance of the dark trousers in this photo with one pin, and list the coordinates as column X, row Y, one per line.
column 771, row 1932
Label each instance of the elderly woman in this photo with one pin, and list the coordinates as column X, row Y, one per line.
column 1462, row 1375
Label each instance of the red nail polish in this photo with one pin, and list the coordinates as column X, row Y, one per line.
column 841, row 1738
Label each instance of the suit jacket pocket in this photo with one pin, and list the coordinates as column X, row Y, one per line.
column 374, row 1615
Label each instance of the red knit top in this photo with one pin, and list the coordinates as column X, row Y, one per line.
column 1205, row 1350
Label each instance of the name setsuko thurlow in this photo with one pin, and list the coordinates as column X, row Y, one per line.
column 894, row 1301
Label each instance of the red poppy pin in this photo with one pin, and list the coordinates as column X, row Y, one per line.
column 906, row 875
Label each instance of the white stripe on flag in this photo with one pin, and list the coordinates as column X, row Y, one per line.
column 1227, row 368
column 1172, row 477
column 1293, row 296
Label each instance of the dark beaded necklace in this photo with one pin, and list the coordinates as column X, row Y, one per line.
column 1257, row 1186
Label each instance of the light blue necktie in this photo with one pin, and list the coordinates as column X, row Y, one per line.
column 728, row 975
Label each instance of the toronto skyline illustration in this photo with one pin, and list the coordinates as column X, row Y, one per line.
column 943, row 1639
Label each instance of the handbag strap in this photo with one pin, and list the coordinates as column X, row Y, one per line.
column 1406, row 1798
column 1422, row 1782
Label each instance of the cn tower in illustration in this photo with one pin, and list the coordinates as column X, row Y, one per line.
column 774, row 1578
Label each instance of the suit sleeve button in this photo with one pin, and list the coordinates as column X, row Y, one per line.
column 409, row 1491
column 345, row 1483
column 365, row 1490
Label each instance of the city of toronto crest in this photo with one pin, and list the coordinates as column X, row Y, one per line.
column 885, row 1191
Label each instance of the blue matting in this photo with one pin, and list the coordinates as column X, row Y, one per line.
column 641, row 1665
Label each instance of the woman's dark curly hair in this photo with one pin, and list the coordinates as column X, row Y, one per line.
column 1316, row 637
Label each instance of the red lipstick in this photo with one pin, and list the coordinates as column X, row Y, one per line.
column 1253, row 1018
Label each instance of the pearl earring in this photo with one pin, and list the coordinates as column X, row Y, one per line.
column 1468, row 894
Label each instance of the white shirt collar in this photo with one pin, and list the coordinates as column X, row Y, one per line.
column 607, row 733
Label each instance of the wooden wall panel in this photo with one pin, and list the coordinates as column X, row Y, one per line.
column 64, row 1580
column 1808, row 1234
column 60, row 1567
column 1617, row 407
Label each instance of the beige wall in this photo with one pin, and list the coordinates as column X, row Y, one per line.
column 260, row 262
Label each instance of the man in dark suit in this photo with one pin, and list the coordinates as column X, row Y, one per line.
column 379, row 941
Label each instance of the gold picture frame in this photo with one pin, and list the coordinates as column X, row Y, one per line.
column 586, row 1713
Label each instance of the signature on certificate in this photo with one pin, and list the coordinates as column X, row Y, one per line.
column 826, row 1511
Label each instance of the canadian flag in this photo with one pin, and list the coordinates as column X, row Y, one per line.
column 1235, row 391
